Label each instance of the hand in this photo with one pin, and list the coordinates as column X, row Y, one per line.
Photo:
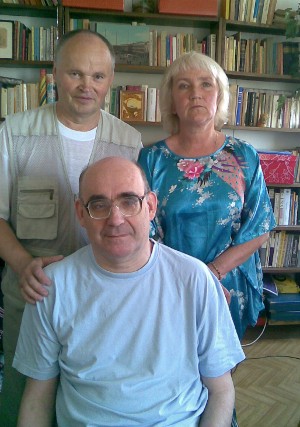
column 227, row 294
column 33, row 279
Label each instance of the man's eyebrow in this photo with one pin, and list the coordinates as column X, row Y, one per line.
column 102, row 197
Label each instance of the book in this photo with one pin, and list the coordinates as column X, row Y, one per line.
column 163, row 48
column 262, row 251
column 225, row 9
column 232, row 103
column 271, row 12
column 151, row 104
column 232, row 9
column 3, row 104
column 51, row 88
column 132, row 104
column 269, row 285
column 239, row 105
column 157, row 111
column 294, row 251
column 265, row 10
column 285, row 201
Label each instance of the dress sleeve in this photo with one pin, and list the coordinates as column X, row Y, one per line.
column 257, row 216
column 147, row 165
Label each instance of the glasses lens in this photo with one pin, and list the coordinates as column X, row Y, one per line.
column 128, row 206
column 99, row 208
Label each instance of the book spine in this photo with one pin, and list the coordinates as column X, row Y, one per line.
column 51, row 90
column 151, row 104
column 239, row 106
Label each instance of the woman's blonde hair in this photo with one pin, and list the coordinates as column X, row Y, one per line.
column 192, row 60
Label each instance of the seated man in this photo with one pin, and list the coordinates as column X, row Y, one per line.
column 132, row 332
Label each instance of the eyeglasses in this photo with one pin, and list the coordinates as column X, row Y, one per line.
column 130, row 205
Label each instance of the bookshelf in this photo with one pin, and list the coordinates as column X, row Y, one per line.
column 267, row 138
column 46, row 23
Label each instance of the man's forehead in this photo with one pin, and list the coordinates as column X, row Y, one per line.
column 111, row 179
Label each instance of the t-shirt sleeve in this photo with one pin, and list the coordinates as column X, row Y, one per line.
column 37, row 348
column 219, row 348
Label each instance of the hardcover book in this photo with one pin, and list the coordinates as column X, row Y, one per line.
column 132, row 105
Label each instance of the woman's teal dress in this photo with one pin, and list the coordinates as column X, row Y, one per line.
column 210, row 203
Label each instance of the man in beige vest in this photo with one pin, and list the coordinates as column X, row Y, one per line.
column 42, row 153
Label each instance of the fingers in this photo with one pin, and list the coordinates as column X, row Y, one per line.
column 50, row 259
column 34, row 280
column 227, row 294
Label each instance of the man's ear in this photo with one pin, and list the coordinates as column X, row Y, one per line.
column 152, row 204
column 79, row 208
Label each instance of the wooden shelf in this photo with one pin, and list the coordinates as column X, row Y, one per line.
column 252, row 27
column 287, row 228
column 28, row 10
column 294, row 185
column 262, row 129
column 262, row 77
column 13, row 63
column 280, row 270
column 147, row 18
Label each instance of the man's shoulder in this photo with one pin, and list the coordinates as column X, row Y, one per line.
column 20, row 123
column 75, row 260
column 115, row 129
column 178, row 257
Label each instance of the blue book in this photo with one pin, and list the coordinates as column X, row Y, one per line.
column 255, row 11
column 238, row 115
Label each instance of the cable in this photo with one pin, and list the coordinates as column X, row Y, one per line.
column 259, row 336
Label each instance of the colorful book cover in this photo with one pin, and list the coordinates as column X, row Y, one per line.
column 132, row 105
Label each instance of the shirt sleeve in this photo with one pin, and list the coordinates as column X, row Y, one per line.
column 219, row 348
column 143, row 160
column 38, row 348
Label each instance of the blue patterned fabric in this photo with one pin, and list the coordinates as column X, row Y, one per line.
column 209, row 203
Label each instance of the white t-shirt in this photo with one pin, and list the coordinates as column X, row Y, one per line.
column 77, row 147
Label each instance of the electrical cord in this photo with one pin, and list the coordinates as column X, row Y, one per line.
column 259, row 336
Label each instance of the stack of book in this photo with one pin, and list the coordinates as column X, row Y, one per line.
column 17, row 96
column 137, row 44
column 134, row 103
column 281, row 250
column 261, row 55
column 283, row 304
column 259, row 11
column 263, row 108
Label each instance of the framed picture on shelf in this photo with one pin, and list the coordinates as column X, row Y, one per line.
column 6, row 39
column 132, row 105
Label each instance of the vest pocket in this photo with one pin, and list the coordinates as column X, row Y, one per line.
column 37, row 213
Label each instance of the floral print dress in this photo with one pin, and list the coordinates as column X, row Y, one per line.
column 209, row 203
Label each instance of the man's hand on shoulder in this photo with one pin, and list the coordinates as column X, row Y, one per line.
column 33, row 279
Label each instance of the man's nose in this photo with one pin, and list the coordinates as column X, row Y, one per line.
column 85, row 82
column 115, row 216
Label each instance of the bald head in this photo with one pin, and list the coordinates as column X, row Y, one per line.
column 112, row 167
column 120, row 241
